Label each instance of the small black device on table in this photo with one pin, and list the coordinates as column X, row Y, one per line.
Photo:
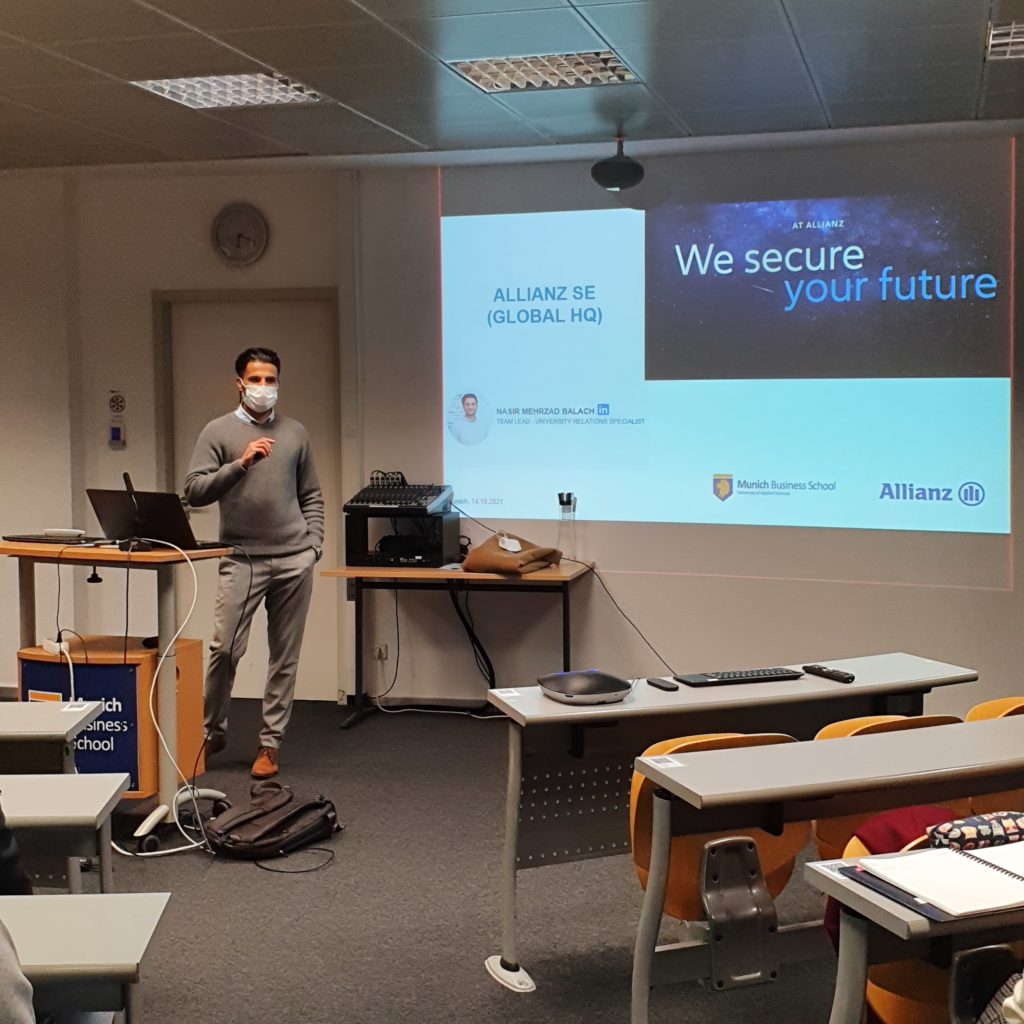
column 424, row 529
column 835, row 674
column 746, row 675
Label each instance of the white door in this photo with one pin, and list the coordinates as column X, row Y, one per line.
column 205, row 339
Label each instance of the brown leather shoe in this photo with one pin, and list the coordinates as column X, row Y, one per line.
column 265, row 765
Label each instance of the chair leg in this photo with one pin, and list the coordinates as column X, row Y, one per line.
column 650, row 913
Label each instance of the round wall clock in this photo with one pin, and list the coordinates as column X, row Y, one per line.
column 240, row 234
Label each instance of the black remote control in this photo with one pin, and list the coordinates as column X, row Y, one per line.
column 663, row 684
column 835, row 674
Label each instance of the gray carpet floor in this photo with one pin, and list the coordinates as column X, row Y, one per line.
column 396, row 928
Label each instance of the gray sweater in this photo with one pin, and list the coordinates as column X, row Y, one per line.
column 273, row 508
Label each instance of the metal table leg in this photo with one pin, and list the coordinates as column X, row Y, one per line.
column 566, row 630
column 650, row 913
column 167, row 688
column 505, row 969
column 852, row 975
column 106, row 858
column 360, row 707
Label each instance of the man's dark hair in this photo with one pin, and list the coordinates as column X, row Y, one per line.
column 257, row 355
column 469, row 394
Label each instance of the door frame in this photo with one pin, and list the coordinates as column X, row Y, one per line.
column 163, row 405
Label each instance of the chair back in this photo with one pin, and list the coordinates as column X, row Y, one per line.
column 1007, row 799
column 832, row 834
column 777, row 854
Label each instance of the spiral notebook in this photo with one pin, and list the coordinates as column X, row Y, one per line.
column 960, row 882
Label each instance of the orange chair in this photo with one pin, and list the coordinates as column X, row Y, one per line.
column 1009, row 799
column 832, row 834
column 777, row 854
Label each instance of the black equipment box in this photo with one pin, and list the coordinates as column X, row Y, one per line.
column 428, row 541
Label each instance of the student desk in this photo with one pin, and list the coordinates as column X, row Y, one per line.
column 65, row 814
column 38, row 736
column 553, row 579
column 765, row 787
column 874, row 929
column 569, row 766
column 83, row 952
column 162, row 561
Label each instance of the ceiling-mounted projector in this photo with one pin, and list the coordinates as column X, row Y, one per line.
column 589, row 686
column 617, row 172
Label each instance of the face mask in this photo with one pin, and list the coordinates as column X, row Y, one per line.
column 260, row 397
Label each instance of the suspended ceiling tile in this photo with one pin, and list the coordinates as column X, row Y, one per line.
column 47, row 21
column 754, row 120
column 211, row 15
column 889, row 111
column 487, row 137
column 318, row 117
column 421, row 78
column 1003, row 105
column 675, row 23
column 905, row 82
column 449, row 110
column 945, row 44
column 599, row 129
column 819, row 16
column 99, row 98
column 171, row 56
column 393, row 9
column 356, row 44
column 23, row 66
column 516, row 34
column 348, row 143
column 735, row 91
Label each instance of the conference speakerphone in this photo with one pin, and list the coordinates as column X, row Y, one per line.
column 746, row 675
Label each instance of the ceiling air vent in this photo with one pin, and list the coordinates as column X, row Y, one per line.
column 1005, row 42
column 550, row 71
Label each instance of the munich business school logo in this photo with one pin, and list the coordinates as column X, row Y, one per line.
column 722, row 485
column 971, row 493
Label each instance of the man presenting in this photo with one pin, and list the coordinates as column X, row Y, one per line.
column 259, row 467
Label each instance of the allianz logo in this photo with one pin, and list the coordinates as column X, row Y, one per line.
column 969, row 493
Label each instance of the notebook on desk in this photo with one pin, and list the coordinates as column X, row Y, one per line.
column 959, row 882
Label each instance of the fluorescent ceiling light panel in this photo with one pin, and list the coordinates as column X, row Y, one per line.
column 219, row 91
column 550, row 71
column 1005, row 42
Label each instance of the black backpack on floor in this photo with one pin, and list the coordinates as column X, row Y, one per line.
column 274, row 823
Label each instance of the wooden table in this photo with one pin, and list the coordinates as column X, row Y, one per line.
column 570, row 765
column 161, row 561
column 553, row 579
column 765, row 787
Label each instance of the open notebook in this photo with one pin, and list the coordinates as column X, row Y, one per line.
column 960, row 882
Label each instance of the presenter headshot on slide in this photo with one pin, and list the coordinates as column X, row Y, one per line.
column 258, row 466
column 468, row 428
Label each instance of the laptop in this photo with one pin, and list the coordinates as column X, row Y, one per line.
column 159, row 516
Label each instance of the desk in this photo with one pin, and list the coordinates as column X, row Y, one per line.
column 38, row 737
column 570, row 766
column 163, row 562
column 69, row 814
column 765, row 787
column 873, row 929
column 83, row 952
column 553, row 579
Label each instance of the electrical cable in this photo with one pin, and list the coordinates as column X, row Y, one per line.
column 127, row 584
column 300, row 871
column 398, row 657
column 600, row 580
column 71, row 670
column 483, row 661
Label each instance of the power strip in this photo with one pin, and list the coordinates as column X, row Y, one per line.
column 56, row 649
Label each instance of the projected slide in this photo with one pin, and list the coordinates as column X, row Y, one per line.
column 838, row 362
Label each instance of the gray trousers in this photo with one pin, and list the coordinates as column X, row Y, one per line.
column 285, row 582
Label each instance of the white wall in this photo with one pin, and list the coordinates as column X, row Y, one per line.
column 77, row 272
column 35, row 461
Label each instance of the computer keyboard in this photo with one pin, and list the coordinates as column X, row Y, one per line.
column 744, row 675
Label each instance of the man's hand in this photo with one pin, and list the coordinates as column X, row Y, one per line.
column 256, row 450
